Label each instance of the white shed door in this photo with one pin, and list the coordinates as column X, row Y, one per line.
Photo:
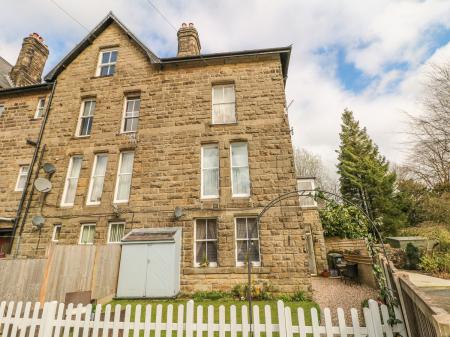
column 132, row 275
column 148, row 270
column 161, row 270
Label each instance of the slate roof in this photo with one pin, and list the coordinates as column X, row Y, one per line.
column 5, row 69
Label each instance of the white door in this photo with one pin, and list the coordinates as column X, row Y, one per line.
column 161, row 271
column 132, row 275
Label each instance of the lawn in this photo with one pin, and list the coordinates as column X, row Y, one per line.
column 306, row 305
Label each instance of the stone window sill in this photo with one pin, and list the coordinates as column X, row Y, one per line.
column 222, row 124
column 225, row 270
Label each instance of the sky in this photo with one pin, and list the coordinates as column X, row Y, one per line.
column 370, row 56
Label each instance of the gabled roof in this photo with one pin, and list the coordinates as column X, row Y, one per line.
column 5, row 69
column 284, row 52
column 110, row 18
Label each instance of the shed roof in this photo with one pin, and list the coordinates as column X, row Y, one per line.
column 406, row 238
column 151, row 235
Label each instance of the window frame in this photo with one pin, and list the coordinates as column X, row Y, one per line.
column 202, row 196
column 254, row 263
column 20, row 175
column 312, row 181
column 81, row 233
column 116, row 189
column 54, row 232
column 108, row 240
column 66, row 185
column 223, row 86
column 241, row 195
column 81, row 117
column 37, row 113
column 130, row 98
column 100, row 64
column 211, row 264
column 91, row 180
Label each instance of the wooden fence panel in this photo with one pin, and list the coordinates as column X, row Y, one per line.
column 21, row 279
column 70, row 270
column 105, row 271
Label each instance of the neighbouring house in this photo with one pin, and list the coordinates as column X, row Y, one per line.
column 197, row 142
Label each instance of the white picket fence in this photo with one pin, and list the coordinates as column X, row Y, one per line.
column 56, row 320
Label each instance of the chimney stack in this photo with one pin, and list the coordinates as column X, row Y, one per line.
column 188, row 41
column 31, row 61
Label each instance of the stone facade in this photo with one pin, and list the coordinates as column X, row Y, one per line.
column 17, row 124
column 174, row 122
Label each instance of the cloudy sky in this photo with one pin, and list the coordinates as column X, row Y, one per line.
column 369, row 56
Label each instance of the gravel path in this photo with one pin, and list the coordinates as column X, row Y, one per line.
column 334, row 293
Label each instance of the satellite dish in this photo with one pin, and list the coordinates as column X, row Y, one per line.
column 178, row 212
column 38, row 221
column 43, row 185
column 49, row 168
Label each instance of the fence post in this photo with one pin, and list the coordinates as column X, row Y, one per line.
column 48, row 319
column 281, row 318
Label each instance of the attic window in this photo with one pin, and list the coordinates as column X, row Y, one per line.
column 107, row 63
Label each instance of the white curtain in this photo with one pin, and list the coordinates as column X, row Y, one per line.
column 241, row 175
column 98, row 178
column 72, row 180
column 210, row 171
column 124, row 179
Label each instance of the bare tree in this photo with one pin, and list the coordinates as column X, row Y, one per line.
column 429, row 157
column 308, row 165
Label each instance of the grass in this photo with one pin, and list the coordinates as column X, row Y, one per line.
column 306, row 305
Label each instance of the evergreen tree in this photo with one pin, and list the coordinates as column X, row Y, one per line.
column 364, row 173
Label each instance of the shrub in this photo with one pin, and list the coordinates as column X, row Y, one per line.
column 412, row 256
column 260, row 290
column 210, row 295
column 300, row 296
column 435, row 264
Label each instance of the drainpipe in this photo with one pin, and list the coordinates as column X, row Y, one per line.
column 33, row 161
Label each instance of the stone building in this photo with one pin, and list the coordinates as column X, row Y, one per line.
column 197, row 141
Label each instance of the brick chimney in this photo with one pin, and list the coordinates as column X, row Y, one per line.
column 31, row 61
column 188, row 41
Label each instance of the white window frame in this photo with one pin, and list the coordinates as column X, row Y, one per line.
column 66, row 181
column 81, row 233
column 54, row 232
column 81, row 117
column 241, row 195
column 130, row 98
column 91, row 181
column 116, row 189
column 109, row 231
column 40, row 110
column 239, row 263
column 20, row 175
column 223, row 86
column 100, row 64
column 202, row 196
column 312, row 181
column 211, row 264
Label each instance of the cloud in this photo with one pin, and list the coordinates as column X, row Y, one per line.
column 368, row 56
